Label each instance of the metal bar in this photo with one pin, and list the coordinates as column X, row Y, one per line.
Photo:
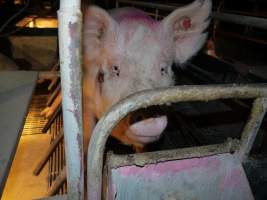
column 252, row 127
column 233, row 18
column 236, row 35
column 51, row 119
column 148, row 98
column 143, row 159
column 53, row 83
column 151, row 5
column 50, row 163
column 57, row 183
column 70, row 24
column 48, row 75
column 54, row 155
column 53, row 95
column 241, row 19
column 48, row 153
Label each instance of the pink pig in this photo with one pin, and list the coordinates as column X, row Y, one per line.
column 126, row 51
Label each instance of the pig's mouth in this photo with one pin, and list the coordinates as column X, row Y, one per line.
column 146, row 127
column 148, row 130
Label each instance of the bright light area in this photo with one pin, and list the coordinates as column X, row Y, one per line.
column 38, row 22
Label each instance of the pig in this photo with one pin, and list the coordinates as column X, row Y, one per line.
column 126, row 51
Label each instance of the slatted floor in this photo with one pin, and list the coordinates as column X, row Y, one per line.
column 34, row 122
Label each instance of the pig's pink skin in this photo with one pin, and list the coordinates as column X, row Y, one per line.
column 130, row 15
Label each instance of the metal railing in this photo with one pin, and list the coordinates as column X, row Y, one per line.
column 171, row 95
column 70, row 18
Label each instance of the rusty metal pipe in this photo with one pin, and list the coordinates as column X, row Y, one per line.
column 252, row 127
column 148, row 98
column 70, row 23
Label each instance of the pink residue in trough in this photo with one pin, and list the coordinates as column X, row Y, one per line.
column 173, row 167
column 232, row 179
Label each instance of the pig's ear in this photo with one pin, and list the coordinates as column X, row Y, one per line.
column 98, row 28
column 186, row 25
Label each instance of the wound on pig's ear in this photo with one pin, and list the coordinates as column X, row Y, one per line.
column 186, row 23
column 183, row 24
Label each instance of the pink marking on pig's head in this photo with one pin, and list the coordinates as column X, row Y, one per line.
column 132, row 15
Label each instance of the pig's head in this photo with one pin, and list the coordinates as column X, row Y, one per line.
column 127, row 51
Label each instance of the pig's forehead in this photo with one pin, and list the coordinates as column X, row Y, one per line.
column 129, row 30
column 138, row 40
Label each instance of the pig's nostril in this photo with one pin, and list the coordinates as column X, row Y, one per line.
column 116, row 67
column 116, row 70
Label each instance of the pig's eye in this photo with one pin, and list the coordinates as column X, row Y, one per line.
column 116, row 70
column 164, row 69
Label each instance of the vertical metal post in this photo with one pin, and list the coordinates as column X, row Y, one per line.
column 70, row 19
column 117, row 4
column 252, row 127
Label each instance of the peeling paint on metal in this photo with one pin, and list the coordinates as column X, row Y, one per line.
column 170, row 167
column 213, row 177
column 70, row 19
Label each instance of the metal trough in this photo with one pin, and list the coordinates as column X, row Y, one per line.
column 207, row 172
column 218, row 176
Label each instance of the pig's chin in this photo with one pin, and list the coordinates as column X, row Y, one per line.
column 148, row 130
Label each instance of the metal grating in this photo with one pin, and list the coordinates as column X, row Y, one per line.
column 57, row 159
column 34, row 123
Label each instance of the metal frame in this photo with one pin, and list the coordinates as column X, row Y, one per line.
column 70, row 22
column 170, row 95
column 115, row 161
column 70, row 61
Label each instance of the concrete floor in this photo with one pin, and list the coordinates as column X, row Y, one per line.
column 21, row 183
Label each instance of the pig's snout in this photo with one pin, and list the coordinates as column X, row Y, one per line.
column 148, row 130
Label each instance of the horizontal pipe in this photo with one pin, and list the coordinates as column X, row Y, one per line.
column 142, row 159
column 242, row 37
column 151, row 5
column 48, row 75
column 257, row 22
column 149, row 98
